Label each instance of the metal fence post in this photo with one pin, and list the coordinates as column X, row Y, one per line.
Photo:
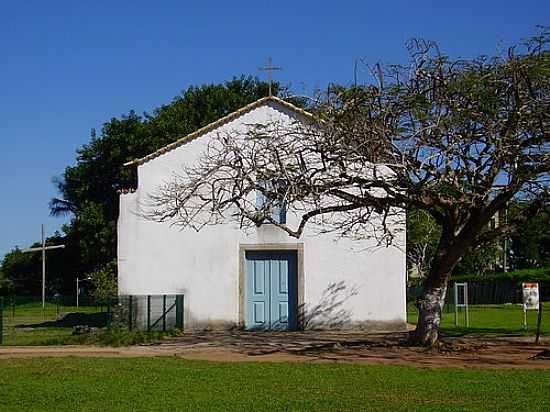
column 456, row 303
column 164, row 313
column 466, row 301
column 109, row 313
column 148, row 313
column 1, row 320
column 130, row 311
column 179, row 312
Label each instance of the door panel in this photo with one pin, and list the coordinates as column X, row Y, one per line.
column 259, row 278
column 257, row 294
column 271, row 290
column 259, row 313
column 283, row 312
column 279, row 293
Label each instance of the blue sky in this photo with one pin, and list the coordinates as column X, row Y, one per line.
column 68, row 66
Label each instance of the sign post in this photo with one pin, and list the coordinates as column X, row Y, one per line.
column 78, row 281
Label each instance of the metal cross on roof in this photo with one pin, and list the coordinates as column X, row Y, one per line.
column 269, row 69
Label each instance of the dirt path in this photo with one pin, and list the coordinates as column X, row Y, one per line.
column 486, row 352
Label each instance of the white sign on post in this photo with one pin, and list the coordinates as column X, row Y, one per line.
column 531, row 296
column 530, row 299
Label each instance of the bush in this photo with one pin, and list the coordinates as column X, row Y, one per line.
column 104, row 283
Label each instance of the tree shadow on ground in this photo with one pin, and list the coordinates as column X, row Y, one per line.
column 70, row 320
column 459, row 332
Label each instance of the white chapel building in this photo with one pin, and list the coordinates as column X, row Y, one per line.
column 260, row 279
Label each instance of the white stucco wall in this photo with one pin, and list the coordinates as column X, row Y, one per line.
column 155, row 258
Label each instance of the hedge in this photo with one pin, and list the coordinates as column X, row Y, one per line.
column 516, row 276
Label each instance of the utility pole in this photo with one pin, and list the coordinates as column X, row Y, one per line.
column 77, row 291
column 43, row 249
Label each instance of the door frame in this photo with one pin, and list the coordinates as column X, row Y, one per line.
column 274, row 247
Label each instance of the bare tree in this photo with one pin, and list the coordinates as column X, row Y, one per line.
column 456, row 138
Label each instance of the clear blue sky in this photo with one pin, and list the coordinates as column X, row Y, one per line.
column 68, row 66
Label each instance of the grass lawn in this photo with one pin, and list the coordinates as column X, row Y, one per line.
column 30, row 324
column 500, row 319
column 162, row 384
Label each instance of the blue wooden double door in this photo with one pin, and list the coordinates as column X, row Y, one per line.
column 271, row 295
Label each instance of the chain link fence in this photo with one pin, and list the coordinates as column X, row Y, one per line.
column 24, row 320
column 486, row 307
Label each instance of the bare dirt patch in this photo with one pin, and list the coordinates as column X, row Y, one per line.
column 319, row 347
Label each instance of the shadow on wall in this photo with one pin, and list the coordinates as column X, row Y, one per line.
column 329, row 313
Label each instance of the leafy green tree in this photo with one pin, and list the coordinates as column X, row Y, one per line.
column 6, row 285
column 104, row 283
column 23, row 271
column 89, row 189
column 481, row 260
column 530, row 246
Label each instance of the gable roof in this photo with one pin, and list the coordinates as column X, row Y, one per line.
column 214, row 125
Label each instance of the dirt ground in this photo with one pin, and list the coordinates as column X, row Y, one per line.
column 319, row 347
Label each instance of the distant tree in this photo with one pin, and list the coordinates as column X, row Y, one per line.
column 458, row 139
column 482, row 259
column 23, row 271
column 423, row 233
column 6, row 285
column 530, row 245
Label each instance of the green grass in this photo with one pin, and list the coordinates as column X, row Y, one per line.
column 162, row 384
column 499, row 319
column 30, row 324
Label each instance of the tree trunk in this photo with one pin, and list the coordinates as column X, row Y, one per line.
column 430, row 302
column 452, row 246
column 429, row 305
